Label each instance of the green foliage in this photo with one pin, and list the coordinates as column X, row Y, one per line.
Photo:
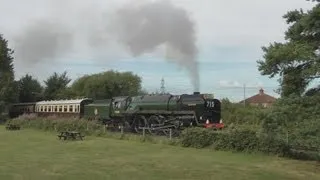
column 197, row 137
column 243, row 140
column 8, row 87
column 291, row 128
column 30, row 89
column 234, row 114
column 296, row 61
column 56, row 86
column 297, row 120
column 57, row 124
column 108, row 84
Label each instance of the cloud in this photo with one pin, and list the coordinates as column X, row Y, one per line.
column 237, row 84
column 218, row 23
column 225, row 83
column 231, row 32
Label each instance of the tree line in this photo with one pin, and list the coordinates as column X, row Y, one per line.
column 97, row 86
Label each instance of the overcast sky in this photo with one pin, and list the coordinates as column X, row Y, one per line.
column 79, row 36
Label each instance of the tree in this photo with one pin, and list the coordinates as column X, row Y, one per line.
column 108, row 84
column 30, row 89
column 296, row 61
column 56, row 85
column 8, row 87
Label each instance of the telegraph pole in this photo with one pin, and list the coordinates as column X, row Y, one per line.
column 244, row 95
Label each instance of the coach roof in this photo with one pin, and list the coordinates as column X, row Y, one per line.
column 55, row 102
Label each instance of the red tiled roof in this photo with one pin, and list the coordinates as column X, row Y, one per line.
column 261, row 97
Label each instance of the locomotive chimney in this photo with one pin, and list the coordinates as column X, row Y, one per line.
column 196, row 93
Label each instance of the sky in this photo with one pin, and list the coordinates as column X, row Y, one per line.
column 221, row 40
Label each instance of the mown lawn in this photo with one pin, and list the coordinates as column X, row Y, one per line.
column 31, row 154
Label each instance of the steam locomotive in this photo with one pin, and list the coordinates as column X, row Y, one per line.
column 154, row 113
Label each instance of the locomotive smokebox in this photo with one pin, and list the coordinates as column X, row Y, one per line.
column 196, row 93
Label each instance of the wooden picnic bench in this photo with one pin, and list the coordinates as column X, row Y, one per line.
column 12, row 127
column 70, row 135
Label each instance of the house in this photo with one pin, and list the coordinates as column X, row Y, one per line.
column 260, row 99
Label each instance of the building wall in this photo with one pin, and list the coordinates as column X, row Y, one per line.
column 262, row 104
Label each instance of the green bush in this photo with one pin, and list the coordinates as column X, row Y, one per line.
column 295, row 119
column 271, row 144
column 196, row 137
column 238, row 114
column 238, row 140
column 58, row 124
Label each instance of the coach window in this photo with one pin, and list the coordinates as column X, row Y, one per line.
column 70, row 108
column 41, row 108
column 65, row 108
column 60, row 108
column 55, row 108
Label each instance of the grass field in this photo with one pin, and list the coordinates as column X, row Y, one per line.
column 31, row 154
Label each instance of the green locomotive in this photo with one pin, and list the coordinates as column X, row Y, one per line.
column 157, row 113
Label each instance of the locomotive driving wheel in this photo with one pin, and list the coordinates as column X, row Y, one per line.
column 138, row 123
column 155, row 122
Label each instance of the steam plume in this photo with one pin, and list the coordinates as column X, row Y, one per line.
column 42, row 41
column 139, row 28
column 145, row 27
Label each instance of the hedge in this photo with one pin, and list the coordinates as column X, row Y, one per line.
column 244, row 140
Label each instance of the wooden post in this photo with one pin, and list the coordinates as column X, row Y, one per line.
column 121, row 127
column 170, row 133
column 143, row 132
column 104, row 129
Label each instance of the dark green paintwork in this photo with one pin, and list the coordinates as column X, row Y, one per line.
column 119, row 107
column 102, row 107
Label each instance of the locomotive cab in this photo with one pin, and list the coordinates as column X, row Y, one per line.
column 119, row 105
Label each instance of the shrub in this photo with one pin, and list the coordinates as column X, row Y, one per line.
column 237, row 114
column 295, row 120
column 53, row 124
column 196, row 137
column 238, row 140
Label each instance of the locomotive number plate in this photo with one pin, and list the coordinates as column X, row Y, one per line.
column 209, row 104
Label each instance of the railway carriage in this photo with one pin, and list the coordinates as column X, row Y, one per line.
column 18, row 109
column 64, row 108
